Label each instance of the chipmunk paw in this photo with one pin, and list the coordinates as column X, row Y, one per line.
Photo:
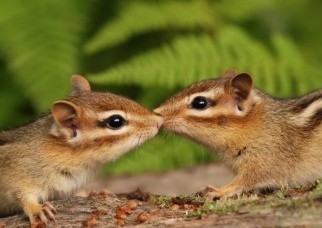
column 39, row 217
column 212, row 193
column 204, row 191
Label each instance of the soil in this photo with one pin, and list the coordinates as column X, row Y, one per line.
column 165, row 206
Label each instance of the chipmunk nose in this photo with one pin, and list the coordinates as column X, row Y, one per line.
column 157, row 111
column 159, row 121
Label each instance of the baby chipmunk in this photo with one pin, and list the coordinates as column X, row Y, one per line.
column 56, row 154
column 266, row 142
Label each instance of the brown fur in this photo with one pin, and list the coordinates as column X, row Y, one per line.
column 56, row 154
column 269, row 143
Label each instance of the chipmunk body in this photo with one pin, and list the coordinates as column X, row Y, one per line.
column 266, row 142
column 56, row 154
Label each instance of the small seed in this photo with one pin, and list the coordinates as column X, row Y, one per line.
column 142, row 217
column 132, row 205
column 120, row 222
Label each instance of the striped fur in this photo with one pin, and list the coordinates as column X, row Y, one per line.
column 307, row 110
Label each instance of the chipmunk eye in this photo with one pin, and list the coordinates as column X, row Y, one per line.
column 115, row 122
column 200, row 103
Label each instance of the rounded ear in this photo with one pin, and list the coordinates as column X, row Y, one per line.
column 65, row 114
column 80, row 84
column 241, row 85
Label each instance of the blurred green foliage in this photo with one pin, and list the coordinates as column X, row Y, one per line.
column 149, row 49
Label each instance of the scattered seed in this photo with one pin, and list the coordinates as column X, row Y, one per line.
column 120, row 215
column 120, row 222
column 132, row 205
column 90, row 221
column 175, row 207
column 142, row 217
column 38, row 224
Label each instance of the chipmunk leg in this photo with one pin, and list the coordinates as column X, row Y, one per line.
column 226, row 191
column 36, row 211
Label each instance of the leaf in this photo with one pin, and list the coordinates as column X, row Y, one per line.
column 41, row 43
column 188, row 59
column 143, row 16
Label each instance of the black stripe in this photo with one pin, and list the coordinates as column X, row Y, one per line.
column 306, row 102
column 316, row 119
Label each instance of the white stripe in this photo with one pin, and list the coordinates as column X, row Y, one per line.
column 303, row 117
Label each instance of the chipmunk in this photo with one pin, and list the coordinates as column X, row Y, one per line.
column 267, row 142
column 56, row 154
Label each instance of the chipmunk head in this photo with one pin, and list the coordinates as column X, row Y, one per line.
column 211, row 111
column 94, row 120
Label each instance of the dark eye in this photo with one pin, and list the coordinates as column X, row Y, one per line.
column 115, row 122
column 200, row 103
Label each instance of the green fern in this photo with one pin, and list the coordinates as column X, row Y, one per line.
column 291, row 63
column 143, row 16
column 190, row 58
column 41, row 40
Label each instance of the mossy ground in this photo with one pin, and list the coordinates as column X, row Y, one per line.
column 291, row 207
column 287, row 204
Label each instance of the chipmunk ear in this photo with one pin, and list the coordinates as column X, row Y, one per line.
column 240, row 87
column 66, row 114
column 79, row 84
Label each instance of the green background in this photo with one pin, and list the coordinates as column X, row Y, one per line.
column 148, row 50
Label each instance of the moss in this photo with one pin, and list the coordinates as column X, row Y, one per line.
column 293, row 202
column 163, row 201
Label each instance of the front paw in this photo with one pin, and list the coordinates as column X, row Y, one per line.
column 204, row 191
column 212, row 193
column 39, row 217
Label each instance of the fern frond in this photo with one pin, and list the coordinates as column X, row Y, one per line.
column 143, row 16
column 191, row 58
column 238, row 10
column 41, row 42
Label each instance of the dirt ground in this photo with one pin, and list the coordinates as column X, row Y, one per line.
column 160, row 203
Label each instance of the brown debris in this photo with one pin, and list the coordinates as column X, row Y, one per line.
column 120, row 214
column 142, row 217
column 120, row 222
column 175, row 207
column 90, row 221
column 186, row 200
column 132, row 205
column 137, row 195
column 38, row 224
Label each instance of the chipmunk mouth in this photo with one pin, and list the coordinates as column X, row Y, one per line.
column 176, row 126
column 160, row 121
